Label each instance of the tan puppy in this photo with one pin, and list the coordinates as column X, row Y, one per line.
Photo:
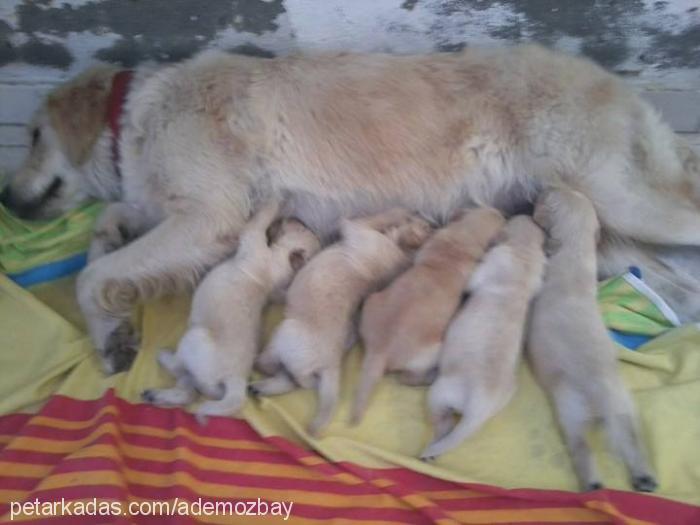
column 402, row 326
column 482, row 348
column 570, row 350
column 307, row 348
column 217, row 352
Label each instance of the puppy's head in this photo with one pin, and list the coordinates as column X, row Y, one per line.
column 523, row 233
column 298, row 240
column 62, row 135
column 566, row 214
column 411, row 233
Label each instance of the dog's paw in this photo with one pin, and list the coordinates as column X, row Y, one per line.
column 108, row 238
column 120, row 349
column 645, row 483
column 149, row 396
column 593, row 485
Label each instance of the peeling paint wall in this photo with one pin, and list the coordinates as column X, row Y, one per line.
column 654, row 44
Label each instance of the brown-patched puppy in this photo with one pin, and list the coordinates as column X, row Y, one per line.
column 570, row 349
column 483, row 344
column 308, row 347
column 402, row 326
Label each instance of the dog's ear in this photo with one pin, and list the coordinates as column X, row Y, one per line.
column 77, row 112
column 297, row 259
column 273, row 231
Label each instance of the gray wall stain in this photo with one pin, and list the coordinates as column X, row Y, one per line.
column 161, row 30
column 615, row 33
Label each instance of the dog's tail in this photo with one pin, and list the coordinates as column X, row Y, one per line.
column 478, row 410
column 328, row 394
column 373, row 367
column 230, row 404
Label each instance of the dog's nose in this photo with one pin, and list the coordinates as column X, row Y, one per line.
column 6, row 197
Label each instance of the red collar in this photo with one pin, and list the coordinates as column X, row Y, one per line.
column 115, row 107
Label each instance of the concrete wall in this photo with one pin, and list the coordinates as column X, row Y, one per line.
column 654, row 44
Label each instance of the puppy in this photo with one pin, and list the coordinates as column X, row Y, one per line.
column 308, row 347
column 482, row 348
column 402, row 326
column 216, row 354
column 569, row 348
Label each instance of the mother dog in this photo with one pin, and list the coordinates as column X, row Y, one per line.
column 345, row 134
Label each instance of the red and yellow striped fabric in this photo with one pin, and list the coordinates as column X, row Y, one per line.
column 109, row 450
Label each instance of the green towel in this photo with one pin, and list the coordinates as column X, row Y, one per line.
column 28, row 244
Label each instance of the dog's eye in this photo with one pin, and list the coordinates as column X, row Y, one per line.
column 36, row 135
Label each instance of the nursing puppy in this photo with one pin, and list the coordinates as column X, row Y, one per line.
column 482, row 348
column 569, row 348
column 402, row 326
column 216, row 354
column 308, row 347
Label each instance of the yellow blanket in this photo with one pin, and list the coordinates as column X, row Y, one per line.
column 45, row 351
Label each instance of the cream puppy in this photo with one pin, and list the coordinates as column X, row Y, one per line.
column 403, row 325
column 569, row 348
column 216, row 354
column 482, row 348
column 308, row 347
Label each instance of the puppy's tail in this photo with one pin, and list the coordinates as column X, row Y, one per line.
column 229, row 405
column 476, row 413
column 328, row 394
column 373, row 367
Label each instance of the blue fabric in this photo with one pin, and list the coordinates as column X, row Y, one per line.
column 629, row 341
column 50, row 271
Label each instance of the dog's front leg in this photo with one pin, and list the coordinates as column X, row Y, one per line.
column 169, row 258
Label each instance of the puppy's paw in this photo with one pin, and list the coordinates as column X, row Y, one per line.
column 644, row 483
column 593, row 485
column 149, row 396
column 253, row 390
column 428, row 459
column 120, row 349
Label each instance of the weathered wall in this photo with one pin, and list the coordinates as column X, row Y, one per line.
column 655, row 44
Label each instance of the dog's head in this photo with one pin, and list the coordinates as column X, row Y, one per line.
column 566, row 214
column 62, row 135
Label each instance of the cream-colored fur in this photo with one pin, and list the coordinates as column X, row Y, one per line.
column 216, row 354
column 483, row 344
column 402, row 326
column 346, row 135
column 307, row 348
column 570, row 349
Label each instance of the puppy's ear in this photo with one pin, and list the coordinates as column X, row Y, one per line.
column 297, row 259
column 77, row 112
column 273, row 231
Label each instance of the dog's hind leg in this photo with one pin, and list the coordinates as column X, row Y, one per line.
column 153, row 265
column 328, row 389
column 638, row 211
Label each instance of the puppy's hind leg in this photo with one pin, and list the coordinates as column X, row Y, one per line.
column 625, row 439
column 574, row 415
column 183, row 393
column 328, row 394
column 373, row 367
column 229, row 405
column 280, row 383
